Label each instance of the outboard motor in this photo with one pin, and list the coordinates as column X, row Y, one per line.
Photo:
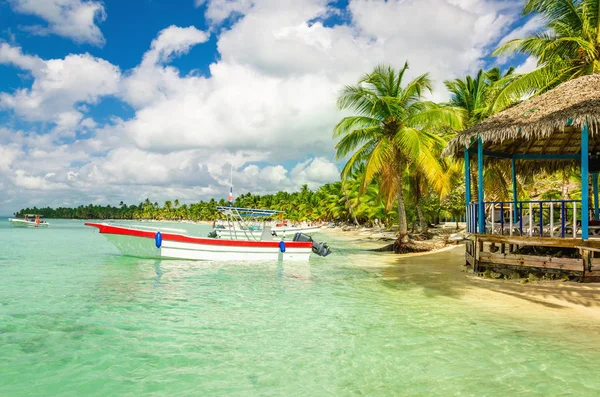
column 321, row 249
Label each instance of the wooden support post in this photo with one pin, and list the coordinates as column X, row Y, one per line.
column 541, row 219
column 480, row 185
column 530, row 219
column 551, row 219
column 595, row 184
column 468, row 188
column 510, row 212
column 574, row 219
column 585, row 185
column 514, row 183
column 492, row 210
column 467, row 177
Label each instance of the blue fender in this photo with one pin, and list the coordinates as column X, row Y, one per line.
column 281, row 246
column 158, row 239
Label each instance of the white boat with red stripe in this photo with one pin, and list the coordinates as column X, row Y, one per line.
column 157, row 242
column 149, row 244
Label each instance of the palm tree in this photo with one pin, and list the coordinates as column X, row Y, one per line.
column 568, row 48
column 392, row 129
column 479, row 95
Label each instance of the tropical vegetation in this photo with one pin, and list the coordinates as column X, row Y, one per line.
column 568, row 47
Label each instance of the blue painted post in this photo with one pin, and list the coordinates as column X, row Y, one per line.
column 502, row 218
column 585, row 207
column 521, row 218
column 514, row 184
column 468, row 185
column 480, row 186
column 467, row 177
column 541, row 219
column 595, row 183
column 563, row 215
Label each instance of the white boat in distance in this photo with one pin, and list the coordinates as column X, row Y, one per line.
column 27, row 222
column 150, row 242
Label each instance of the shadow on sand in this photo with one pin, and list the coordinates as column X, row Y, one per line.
column 444, row 274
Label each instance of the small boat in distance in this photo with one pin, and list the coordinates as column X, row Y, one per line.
column 29, row 220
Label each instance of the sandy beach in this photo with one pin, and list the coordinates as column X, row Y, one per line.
column 442, row 272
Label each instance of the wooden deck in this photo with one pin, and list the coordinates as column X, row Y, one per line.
column 492, row 251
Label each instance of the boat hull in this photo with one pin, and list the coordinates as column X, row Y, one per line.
column 142, row 243
column 21, row 223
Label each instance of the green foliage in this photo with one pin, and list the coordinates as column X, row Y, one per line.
column 567, row 47
column 488, row 273
column 532, row 277
column 514, row 276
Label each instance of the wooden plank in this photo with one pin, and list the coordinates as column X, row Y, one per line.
column 594, row 273
column 488, row 256
column 470, row 259
column 595, row 249
column 523, row 261
column 537, row 241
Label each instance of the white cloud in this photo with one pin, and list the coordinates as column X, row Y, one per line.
column 171, row 41
column 59, row 84
column 150, row 81
column 73, row 19
column 14, row 56
column 315, row 172
column 533, row 25
column 530, row 64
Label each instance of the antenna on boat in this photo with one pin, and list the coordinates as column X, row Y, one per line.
column 230, row 197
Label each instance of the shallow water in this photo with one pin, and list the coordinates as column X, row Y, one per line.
column 76, row 318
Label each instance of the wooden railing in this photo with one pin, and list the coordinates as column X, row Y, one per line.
column 546, row 218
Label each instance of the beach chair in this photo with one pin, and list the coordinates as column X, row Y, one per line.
column 494, row 227
column 527, row 227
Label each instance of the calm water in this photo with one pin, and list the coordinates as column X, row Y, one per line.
column 78, row 319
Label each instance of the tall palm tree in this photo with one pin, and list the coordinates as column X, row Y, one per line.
column 392, row 128
column 568, row 48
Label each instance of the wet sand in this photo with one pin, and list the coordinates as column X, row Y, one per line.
column 443, row 273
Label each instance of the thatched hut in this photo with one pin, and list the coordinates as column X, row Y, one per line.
column 543, row 132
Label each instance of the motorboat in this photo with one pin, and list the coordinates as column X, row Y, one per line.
column 157, row 242
column 29, row 220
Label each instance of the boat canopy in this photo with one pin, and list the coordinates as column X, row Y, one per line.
column 248, row 212
column 39, row 216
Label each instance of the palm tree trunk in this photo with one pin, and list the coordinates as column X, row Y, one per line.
column 422, row 223
column 350, row 206
column 403, row 230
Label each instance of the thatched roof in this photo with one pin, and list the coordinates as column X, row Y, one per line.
column 539, row 125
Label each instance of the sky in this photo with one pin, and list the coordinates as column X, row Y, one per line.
column 109, row 101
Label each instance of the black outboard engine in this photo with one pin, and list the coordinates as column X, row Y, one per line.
column 321, row 249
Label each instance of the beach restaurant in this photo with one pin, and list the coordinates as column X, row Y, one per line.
column 553, row 131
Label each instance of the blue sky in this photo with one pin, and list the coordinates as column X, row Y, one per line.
column 108, row 101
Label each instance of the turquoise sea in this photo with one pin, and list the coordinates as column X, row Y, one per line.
column 78, row 319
